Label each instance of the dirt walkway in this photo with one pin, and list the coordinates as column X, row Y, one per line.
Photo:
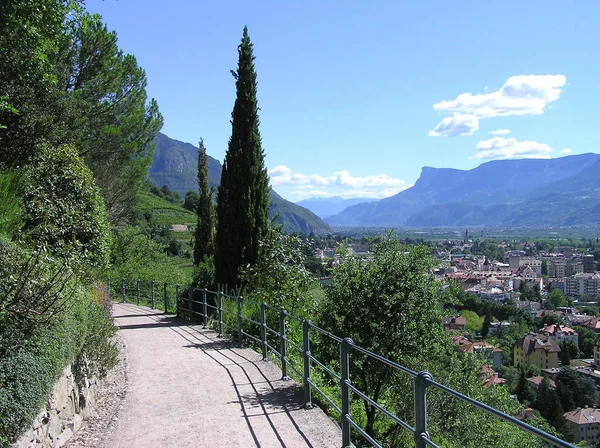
column 188, row 388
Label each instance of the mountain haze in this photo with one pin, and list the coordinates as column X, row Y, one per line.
column 324, row 207
column 527, row 192
column 175, row 164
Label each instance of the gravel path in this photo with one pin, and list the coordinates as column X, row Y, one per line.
column 188, row 388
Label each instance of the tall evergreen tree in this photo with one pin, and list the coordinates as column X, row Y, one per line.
column 204, row 235
column 243, row 196
column 565, row 358
column 549, row 405
column 522, row 391
column 485, row 328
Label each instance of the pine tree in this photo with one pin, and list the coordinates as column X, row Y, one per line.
column 549, row 405
column 522, row 391
column 565, row 358
column 204, row 235
column 243, row 196
column 485, row 328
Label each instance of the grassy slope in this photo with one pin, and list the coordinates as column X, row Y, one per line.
column 165, row 212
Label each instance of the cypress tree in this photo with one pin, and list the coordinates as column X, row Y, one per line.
column 485, row 328
column 204, row 235
column 565, row 358
column 522, row 391
column 243, row 195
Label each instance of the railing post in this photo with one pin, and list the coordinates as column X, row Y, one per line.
column 204, row 309
column 137, row 291
column 152, row 294
column 306, row 356
column 283, row 344
column 166, row 299
column 190, row 298
column 123, row 289
column 263, row 329
column 421, row 383
column 240, row 323
column 221, row 313
column 345, row 391
column 177, row 300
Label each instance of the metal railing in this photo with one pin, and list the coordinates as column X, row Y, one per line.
column 161, row 296
column 225, row 312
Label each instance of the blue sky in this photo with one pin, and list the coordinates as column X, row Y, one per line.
column 356, row 97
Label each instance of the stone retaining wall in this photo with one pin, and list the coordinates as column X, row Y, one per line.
column 68, row 405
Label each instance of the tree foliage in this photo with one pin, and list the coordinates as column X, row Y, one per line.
column 67, row 82
column 388, row 305
column 204, row 236
column 243, row 195
column 63, row 210
column 279, row 276
column 549, row 405
column 575, row 390
column 523, row 390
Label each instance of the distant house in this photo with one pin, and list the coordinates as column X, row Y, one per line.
column 492, row 353
column 493, row 294
column 535, row 382
column 527, row 414
column 560, row 333
column 455, row 323
column 584, row 424
column 536, row 350
column 489, row 377
column 531, row 307
column 498, row 327
column 594, row 324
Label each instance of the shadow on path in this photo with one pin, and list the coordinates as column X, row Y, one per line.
column 274, row 400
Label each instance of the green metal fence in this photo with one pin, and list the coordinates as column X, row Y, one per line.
column 226, row 315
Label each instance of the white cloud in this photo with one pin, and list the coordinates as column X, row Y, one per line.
column 520, row 95
column 566, row 151
column 458, row 124
column 501, row 148
column 500, row 132
column 339, row 183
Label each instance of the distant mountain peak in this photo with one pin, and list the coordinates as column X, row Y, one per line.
column 523, row 192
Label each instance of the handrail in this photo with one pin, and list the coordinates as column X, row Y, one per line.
column 223, row 317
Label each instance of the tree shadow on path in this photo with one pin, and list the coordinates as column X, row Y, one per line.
column 275, row 399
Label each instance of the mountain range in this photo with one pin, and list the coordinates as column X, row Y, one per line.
column 502, row 193
column 324, row 207
column 175, row 164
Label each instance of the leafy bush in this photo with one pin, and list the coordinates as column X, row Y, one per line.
column 34, row 287
column 63, row 210
column 279, row 276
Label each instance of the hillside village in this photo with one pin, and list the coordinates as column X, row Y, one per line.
column 532, row 320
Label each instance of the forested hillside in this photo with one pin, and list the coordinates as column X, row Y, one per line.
column 175, row 165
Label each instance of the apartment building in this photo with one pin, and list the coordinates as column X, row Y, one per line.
column 582, row 284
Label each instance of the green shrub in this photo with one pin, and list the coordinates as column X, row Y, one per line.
column 63, row 210
column 47, row 320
